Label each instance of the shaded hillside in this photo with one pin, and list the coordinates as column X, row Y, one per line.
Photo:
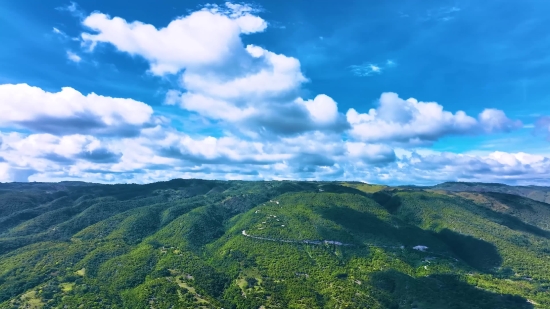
column 281, row 244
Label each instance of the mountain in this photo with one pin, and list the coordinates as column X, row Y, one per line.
column 541, row 194
column 275, row 244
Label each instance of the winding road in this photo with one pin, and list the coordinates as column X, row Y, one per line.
column 337, row 243
column 305, row 241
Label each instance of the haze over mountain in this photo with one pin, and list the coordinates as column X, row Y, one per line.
column 395, row 92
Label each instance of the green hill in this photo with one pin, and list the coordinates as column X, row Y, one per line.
column 280, row 244
column 537, row 193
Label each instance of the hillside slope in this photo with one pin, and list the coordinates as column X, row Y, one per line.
column 214, row 244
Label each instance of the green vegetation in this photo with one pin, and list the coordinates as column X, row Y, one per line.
column 541, row 194
column 281, row 244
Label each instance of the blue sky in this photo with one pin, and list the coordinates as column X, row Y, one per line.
column 383, row 92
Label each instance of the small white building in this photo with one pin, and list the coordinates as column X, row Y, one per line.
column 420, row 248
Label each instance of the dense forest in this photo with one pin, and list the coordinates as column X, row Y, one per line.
column 273, row 244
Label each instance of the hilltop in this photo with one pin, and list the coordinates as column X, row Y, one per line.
column 274, row 244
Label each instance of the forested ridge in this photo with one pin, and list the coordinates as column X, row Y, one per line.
column 273, row 244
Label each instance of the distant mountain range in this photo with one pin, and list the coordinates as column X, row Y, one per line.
column 274, row 244
column 541, row 194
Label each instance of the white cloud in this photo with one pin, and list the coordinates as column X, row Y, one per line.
column 248, row 87
column 513, row 168
column 205, row 37
column 73, row 57
column 157, row 149
column 68, row 111
column 370, row 153
column 262, row 79
column 259, row 89
column 322, row 109
column 37, row 145
column 43, row 153
column 160, row 154
column 215, row 108
column 211, row 149
column 494, row 120
column 262, row 75
column 413, row 122
column 242, row 14
column 265, row 128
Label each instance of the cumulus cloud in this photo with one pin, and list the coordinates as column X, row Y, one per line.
column 75, row 156
column 413, row 122
column 370, row 153
column 265, row 127
column 159, row 149
column 206, row 37
column 69, row 111
column 503, row 167
column 211, row 150
column 25, row 155
column 161, row 154
column 322, row 109
column 50, row 146
column 494, row 120
column 221, row 79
